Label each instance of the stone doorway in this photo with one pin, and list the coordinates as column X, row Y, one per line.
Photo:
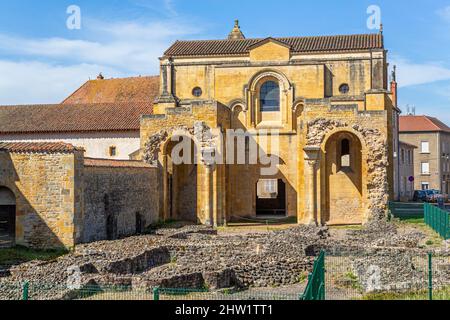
column 344, row 180
column 271, row 198
column 7, row 218
column 182, row 173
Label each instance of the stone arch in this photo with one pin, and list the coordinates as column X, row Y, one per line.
column 343, row 179
column 375, row 160
column 181, row 171
column 7, row 217
column 238, row 116
column 281, row 117
column 237, row 103
column 267, row 74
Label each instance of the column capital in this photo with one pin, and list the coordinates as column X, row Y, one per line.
column 312, row 153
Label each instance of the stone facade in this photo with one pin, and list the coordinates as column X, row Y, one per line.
column 437, row 158
column 315, row 116
column 63, row 199
column 406, row 170
column 49, row 196
column 126, row 198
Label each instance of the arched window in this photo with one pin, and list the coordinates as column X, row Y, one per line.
column 270, row 97
column 345, row 153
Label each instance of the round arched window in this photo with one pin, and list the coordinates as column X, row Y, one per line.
column 197, row 92
column 270, row 97
column 344, row 88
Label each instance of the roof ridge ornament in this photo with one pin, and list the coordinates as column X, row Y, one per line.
column 236, row 33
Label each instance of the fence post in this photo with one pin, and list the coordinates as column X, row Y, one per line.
column 25, row 289
column 156, row 294
column 430, row 276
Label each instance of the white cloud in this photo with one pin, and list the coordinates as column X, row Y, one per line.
column 116, row 49
column 126, row 45
column 33, row 82
column 410, row 73
column 444, row 13
column 166, row 7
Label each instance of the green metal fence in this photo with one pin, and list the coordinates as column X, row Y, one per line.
column 343, row 275
column 406, row 210
column 438, row 219
column 381, row 276
column 315, row 290
column 29, row 291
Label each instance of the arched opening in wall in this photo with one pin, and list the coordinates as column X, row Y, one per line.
column 7, row 218
column 344, row 180
column 344, row 155
column 238, row 117
column 182, row 170
column 269, row 95
column 271, row 197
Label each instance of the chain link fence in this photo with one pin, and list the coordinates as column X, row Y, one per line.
column 392, row 276
column 378, row 274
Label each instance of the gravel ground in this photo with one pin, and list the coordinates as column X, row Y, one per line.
column 197, row 256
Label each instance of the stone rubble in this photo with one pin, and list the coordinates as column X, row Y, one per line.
column 196, row 257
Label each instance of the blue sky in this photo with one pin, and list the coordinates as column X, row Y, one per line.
column 42, row 61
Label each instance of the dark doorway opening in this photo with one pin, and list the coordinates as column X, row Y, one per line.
column 271, row 203
column 111, row 228
column 139, row 223
column 7, row 218
column 111, row 220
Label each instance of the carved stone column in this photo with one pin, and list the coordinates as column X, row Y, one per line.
column 312, row 163
column 209, row 192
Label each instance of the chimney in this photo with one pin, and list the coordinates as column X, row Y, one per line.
column 394, row 89
column 100, row 76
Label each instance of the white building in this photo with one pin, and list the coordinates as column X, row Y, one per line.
column 102, row 116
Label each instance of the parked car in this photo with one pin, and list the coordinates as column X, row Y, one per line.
column 429, row 196
column 420, row 195
column 435, row 195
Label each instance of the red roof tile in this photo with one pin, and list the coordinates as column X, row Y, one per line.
column 359, row 42
column 89, row 162
column 135, row 89
column 422, row 124
column 73, row 118
column 41, row 147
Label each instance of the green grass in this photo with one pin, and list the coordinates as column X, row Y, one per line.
column 443, row 294
column 433, row 239
column 21, row 254
column 348, row 281
column 419, row 221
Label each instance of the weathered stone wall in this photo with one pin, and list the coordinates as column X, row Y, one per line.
column 48, row 197
column 371, row 129
column 123, row 194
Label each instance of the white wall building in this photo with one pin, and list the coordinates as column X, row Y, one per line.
column 102, row 117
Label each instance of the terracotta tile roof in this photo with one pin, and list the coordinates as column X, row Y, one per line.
column 72, row 118
column 40, row 147
column 136, row 89
column 90, row 162
column 297, row 44
column 422, row 124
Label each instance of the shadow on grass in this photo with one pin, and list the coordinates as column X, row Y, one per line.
column 17, row 255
